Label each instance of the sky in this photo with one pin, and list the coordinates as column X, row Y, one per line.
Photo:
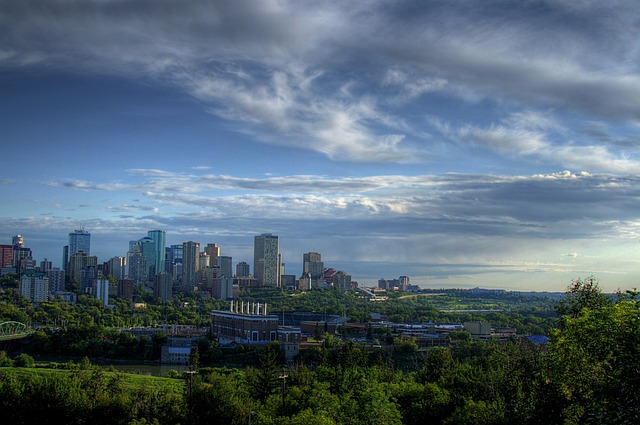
column 464, row 144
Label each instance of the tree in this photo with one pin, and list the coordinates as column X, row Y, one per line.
column 265, row 380
column 438, row 366
column 594, row 359
column 194, row 358
column 24, row 360
column 221, row 398
column 582, row 294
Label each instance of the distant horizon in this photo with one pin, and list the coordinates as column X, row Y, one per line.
column 463, row 144
column 367, row 268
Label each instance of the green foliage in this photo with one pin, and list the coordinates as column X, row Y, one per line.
column 595, row 362
column 221, row 398
column 438, row 366
column 24, row 360
column 265, row 380
column 589, row 374
column 582, row 295
column 5, row 360
column 85, row 396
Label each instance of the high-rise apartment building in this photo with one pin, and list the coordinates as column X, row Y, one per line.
column 222, row 288
column 126, row 288
column 78, row 262
column 190, row 264
column 136, row 265
column 56, row 280
column 266, row 260
column 116, row 267
column 226, row 265
column 204, row 261
column 65, row 258
column 242, row 269
column 22, row 259
column 35, row 286
column 163, row 287
column 101, row 289
column 213, row 250
column 313, row 270
column 312, row 264
column 45, row 265
column 6, row 256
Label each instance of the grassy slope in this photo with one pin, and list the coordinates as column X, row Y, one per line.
column 130, row 380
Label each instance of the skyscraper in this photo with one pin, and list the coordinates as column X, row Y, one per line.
column 17, row 241
column 313, row 268
column 6, row 256
column 79, row 262
column 79, row 240
column 174, row 259
column 159, row 242
column 163, row 286
column 225, row 264
column 101, row 288
column 116, row 267
column 190, row 264
column 214, row 252
column 148, row 249
column 242, row 269
column 136, row 265
column 266, row 260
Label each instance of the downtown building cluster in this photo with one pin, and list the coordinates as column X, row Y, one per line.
column 149, row 263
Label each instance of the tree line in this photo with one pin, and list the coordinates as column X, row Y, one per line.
column 587, row 373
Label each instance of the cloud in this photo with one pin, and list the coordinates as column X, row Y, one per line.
column 549, row 206
column 85, row 185
column 536, row 135
column 334, row 78
column 133, row 208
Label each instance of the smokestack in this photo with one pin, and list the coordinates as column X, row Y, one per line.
column 265, row 309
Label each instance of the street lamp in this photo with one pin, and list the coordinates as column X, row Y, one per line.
column 190, row 373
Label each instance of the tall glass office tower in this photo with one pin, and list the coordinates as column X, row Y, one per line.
column 159, row 245
column 79, row 241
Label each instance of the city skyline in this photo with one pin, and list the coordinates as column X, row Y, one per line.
column 464, row 144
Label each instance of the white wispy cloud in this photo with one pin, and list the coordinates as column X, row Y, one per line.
column 537, row 205
column 539, row 136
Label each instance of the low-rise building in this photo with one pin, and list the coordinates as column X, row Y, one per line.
column 177, row 351
column 245, row 323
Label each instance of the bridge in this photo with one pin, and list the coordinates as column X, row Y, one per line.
column 14, row 330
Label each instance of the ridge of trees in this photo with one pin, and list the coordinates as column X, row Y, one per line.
column 588, row 373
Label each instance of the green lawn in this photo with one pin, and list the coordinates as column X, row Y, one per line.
column 131, row 381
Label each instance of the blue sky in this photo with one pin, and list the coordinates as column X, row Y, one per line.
column 461, row 143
